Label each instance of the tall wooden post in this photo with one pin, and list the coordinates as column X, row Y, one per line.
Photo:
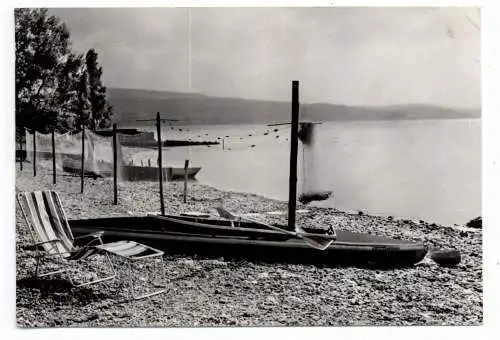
column 186, row 165
column 34, row 152
column 292, row 185
column 222, row 143
column 115, row 166
column 21, row 149
column 160, row 170
column 53, row 156
column 83, row 158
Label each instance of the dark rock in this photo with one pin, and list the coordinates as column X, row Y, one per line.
column 476, row 223
column 308, row 197
column 446, row 257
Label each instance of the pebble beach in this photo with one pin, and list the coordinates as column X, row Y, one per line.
column 230, row 292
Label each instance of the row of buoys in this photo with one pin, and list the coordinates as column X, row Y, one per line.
column 207, row 135
column 266, row 133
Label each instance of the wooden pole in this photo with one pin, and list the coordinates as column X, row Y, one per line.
column 83, row 158
column 53, row 156
column 186, row 165
column 292, row 185
column 34, row 152
column 160, row 170
column 222, row 143
column 115, row 166
column 21, row 149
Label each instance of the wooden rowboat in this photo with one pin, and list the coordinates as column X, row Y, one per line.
column 174, row 173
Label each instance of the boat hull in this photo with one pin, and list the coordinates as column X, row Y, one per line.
column 179, row 173
column 128, row 172
column 92, row 169
column 212, row 237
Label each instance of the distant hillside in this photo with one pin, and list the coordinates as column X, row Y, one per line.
column 191, row 108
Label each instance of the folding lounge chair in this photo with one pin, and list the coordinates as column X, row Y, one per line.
column 50, row 230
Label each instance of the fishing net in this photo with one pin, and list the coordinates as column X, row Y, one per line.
column 66, row 145
column 143, row 139
column 311, row 185
column 98, row 153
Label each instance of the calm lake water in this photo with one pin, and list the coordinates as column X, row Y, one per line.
column 429, row 170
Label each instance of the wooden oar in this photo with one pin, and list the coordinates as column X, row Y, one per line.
column 315, row 241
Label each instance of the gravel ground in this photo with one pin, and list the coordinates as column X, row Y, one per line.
column 221, row 292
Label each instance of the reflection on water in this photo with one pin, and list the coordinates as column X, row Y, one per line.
column 428, row 170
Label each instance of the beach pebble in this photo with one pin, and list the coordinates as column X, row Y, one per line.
column 221, row 292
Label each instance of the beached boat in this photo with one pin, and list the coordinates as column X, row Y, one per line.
column 245, row 239
column 144, row 173
column 128, row 172
column 92, row 169
column 175, row 173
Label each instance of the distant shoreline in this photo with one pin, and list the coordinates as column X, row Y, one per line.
column 197, row 109
column 328, row 121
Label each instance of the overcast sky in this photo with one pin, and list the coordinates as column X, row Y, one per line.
column 356, row 56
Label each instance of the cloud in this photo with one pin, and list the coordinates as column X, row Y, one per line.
column 367, row 56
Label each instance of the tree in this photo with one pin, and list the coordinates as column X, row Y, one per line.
column 66, row 100
column 55, row 88
column 43, row 53
column 82, row 102
column 100, row 109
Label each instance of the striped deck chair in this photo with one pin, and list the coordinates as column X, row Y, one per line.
column 52, row 237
